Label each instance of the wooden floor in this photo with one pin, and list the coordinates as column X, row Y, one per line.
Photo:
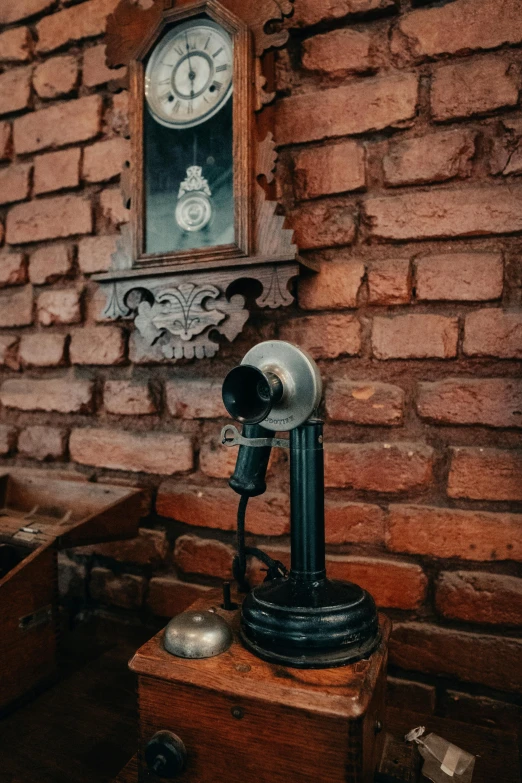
column 83, row 729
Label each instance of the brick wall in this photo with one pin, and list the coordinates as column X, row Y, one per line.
column 401, row 152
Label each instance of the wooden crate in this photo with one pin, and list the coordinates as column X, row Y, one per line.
column 243, row 719
column 38, row 516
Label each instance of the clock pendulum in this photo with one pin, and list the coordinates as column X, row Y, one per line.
column 194, row 208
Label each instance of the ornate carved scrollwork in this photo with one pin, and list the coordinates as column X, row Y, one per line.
column 173, row 315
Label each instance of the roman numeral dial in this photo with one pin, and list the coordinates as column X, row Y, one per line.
column 189, row 75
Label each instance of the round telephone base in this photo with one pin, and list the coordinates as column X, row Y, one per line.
column 317, row 625
column 327, row 660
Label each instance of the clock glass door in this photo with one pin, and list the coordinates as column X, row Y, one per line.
column 188, row 140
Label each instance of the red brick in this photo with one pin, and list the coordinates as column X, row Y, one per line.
column 95, row 71
column 345, row 50
column 506, row 156
column 216, row 508
column 97, row 345
column 118, row 115
column 73, row 24
column 6, row 133
column 16, row 45
column 411, row 696
column 152, row 452
column 364, row 105
column 482, row 711
column 323, row 171
column 478, row 597
column 112, row 208
column 353, row 523
column 485, row 474
column 94, row 253
column 493, row 661
column 378, row 467
column 168, row 596
column 389, row 282
column 9, row 351
column 42, row 443
column 49, row 263
column 216, row 460
column 57, row 171
column 433, row 158
column 55, row 77
column 195, row 555
column 459, row 277
column 364, row 402
column 461, row 26
column 15, row 181
column 473, row 87
column 13, row 270
column 126, row 398
column 334, row 287
column 125, row 590
column 15, row 10
column 495, row 402
column 324, row 336
column 150, row 547
column 391, row 583
column 104, row 160
column 323, row 224
column 42, row 349
column 446, row 213
column 449, row 532
column 415, row 337
column 59, row 306
column 310, row 12
column 7, row 439
column 493, row 333
column 15, row 90
column 59, row 125
column 16, row 307
column 49, row 218
column 195, row 398
column 62, row 395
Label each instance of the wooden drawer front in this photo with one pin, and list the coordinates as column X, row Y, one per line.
column 265, row 744
column 28, row 655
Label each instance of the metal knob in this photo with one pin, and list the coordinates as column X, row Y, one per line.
column 166, row 755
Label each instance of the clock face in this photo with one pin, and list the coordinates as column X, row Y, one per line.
column 189, row 75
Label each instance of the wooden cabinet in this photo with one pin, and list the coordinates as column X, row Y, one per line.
column 242, row 719
column 38, row 516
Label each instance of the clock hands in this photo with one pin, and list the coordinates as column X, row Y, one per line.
column 189, row 78
column 192, row 74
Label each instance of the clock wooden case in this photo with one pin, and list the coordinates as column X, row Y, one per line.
column 203, row 157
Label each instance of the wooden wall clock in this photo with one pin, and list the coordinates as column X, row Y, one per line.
column 200, row 219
